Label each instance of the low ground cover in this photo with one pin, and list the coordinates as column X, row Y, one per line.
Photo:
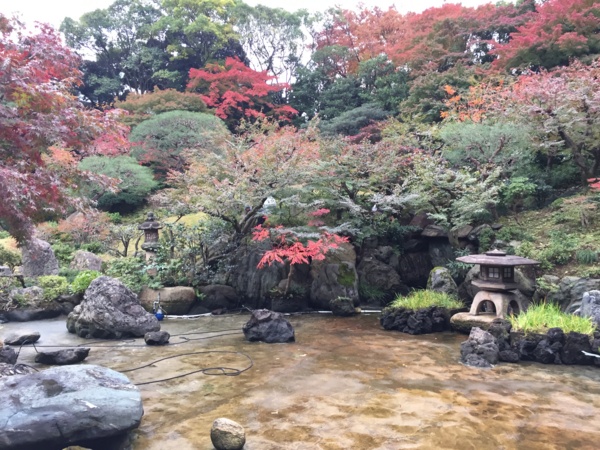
column 540, row 317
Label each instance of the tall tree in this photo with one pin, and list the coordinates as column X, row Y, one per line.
column 44, row 129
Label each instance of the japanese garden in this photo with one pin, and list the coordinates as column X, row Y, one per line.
column 232, row 226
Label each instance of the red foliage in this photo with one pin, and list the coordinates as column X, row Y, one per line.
column 38, row 116
column 236, row 91
column 594, row 183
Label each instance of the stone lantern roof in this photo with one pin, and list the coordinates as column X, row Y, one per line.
column 150, row 223
column 497, row 258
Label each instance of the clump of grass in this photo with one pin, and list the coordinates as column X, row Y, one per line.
column 542, row 316
column 424, row 299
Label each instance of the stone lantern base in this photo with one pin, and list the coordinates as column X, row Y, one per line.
column 505, row 303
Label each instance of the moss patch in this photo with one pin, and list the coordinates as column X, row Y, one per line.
column 346, row 276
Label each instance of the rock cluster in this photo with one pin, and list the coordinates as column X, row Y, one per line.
column 480, row 350
column 421, row 321
column 268, row 326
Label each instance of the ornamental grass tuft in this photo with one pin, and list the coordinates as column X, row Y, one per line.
column 540, row 317
column 426, row 298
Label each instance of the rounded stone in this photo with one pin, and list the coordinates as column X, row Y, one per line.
column 226, row 434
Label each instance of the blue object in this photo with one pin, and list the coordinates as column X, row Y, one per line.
column 159, row 314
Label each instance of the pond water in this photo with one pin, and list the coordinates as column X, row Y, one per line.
column 344, row 384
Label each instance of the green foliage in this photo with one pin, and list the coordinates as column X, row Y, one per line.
column 83, row 279
column 510, row 232
column 458, row 269
column 68, row 273
column 486, row 238
column 349, row 123
column 515, row 192
column 4, row 234
column 371, row 293
column 160, row 141
column 7, row 284
column 64, row 252
column 9, row 258
column 561, row 248
column 136, row 182
column 542, row 316
column 131, row 271
column 586, row 256
column 53, row 286
column 424, row 299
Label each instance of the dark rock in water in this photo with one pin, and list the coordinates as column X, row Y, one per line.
column 28, row 314
column 342, row 306
column 8, row 370
column 8, row 355
column 62, row 357
column 218, row 296
column 157, row 338
column 509, row 356
column 38, row 259
column 500, row 329
column 480, row 350
column 226, row 434
column 421, row 321
column 110, row 310
column 85, row 405
column 575, row 345
column 547, row 352
column 22, row 337
column 556, row 335
column 525, row 344
column 268, row 326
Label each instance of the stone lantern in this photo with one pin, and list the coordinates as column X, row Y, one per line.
column 150, row 228
column 496, row 281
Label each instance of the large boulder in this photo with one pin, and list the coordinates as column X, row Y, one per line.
column 175, row 301
column 413, row 268
column 110, row 310
column 38, row 259
column 219, row 296
column 86, row 405
column 440, row 280
column 268, row 326
column 252, row 283
column 570, row 292
column 380, row 275
column 83, row 260
column 590, row 306
column 480, row 350
column 333, row 277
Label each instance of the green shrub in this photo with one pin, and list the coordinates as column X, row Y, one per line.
column 9, row 258
column 68, row 273
column 586, row 256
column 53, row 286
column 4, row 234
column 542, row 316
column 93, row 247
column 486, row 239
column 64, row 252
column 426, row 298
column 131, row 271
column 83, row 280
column 368, row 292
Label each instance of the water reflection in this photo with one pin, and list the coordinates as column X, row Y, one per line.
column 348, row 384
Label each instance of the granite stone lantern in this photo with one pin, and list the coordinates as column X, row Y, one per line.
column 150, row 228
column 496, row 281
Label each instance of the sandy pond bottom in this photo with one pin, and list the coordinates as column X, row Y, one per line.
column 345, row 384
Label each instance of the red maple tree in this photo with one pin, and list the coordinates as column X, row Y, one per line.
column 237, row 92
column 44, row 129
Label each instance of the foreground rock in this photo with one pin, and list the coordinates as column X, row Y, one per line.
column 421, row 321
column 342, row 306
column 157, row 338
column 21, row 338
column 268, row 326
column 480, row 350
column 38, row 259
column 86, row 405
column 110, row 310
column 8, row 370
column 226, row 434
column 62, row 357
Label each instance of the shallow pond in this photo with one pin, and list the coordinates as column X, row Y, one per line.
column 345, row 384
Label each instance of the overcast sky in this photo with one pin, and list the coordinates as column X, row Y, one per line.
column 54, row 11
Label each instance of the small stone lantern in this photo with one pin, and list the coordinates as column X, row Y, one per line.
column 496, row 280
column 150, row 228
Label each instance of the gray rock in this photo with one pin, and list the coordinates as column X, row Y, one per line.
column 217, row 296
column 62, row 357
column 226, row 434
column 157, row 338
column 21, row 337
column 342, row 307
column 83, row 405
column 373, row 272
column 31, row 296
column 110, row 310
column 440, row 252
column 480, row 350
column 38, row 259
column 268, row 326
column 8, row 355
column 5, row 271
column 440, row 280
column 570, row 292
column 333, row 277
column 414, row 268
column 590, row 306
column 177, row 300
column 434, row 231
column 83, row 260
